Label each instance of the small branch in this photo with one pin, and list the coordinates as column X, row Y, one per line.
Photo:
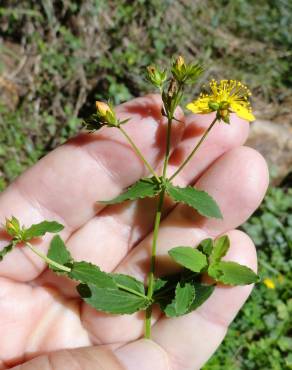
column 47, row 259
column 194, row 150
column 138, row 152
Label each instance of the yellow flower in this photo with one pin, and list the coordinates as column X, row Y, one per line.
column 224, row 97
column 102, row 108
column 269, row 283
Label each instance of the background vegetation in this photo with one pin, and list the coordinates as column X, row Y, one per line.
column 58, row 57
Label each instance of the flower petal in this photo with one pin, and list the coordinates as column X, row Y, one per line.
column 242, row 111
column 200, row 105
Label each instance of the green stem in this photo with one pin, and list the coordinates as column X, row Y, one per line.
column 47, row 259
column 138, row 152
column 152, row 264
column 155, row 235
column 194, row 150
column 167, row 154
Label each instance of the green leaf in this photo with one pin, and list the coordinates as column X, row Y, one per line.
column 112, row 300
column 58, row 253
column 197, row 199
column 203, row 292
column 232, row 273
column 189, row 257
column 148, row 187
column 6, row 250
column 159, row 283
column 129, row 282
column 221, row 247
column 206, row 246
column 184, row 296
column 88, row 273
column 41, row 229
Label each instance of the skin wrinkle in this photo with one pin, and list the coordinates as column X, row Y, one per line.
column 43, row 325
column 37, row 205
column 101, row 162
column 72, row 358
column 173, row 359
column 149, row 342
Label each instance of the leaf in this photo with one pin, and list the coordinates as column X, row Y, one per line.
column 41, row 229
column 203, row 292
column 6, row 250
column 184, row 296
column 159, row 283
column 88, row 273
column 148, row 187
column 58, row 253
column 197, row 199
column 232, row 273
column 189, row 257
column 206, row 246
column 165, row 297
column 112, row 300
column 221, row 247
column 129, row 282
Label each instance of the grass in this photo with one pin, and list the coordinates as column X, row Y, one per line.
column 58, row 57
column 260, row 337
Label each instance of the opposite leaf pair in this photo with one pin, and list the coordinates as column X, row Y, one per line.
column 201, row 201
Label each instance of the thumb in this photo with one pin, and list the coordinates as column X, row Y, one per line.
column 142, row 354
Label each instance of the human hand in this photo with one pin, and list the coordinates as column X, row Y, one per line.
column 41, row 313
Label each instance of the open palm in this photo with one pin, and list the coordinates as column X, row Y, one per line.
column 43, row 323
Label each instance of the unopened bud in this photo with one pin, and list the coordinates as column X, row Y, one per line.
column 180, row 62
column 151, row 69
column 12, row 226
column 155, row 76
column 102, row 108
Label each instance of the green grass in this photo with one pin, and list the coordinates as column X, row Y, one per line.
column 80, row 53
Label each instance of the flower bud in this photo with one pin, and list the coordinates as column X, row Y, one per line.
column 180, row 62
column 156, row 77
column 12, row 226
column 102, row 108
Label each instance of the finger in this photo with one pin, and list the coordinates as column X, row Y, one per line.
column 190, row 340
column 238, row 181
column 122, row 226
column 143, row 354
column 66, row 184
column 89, row 358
